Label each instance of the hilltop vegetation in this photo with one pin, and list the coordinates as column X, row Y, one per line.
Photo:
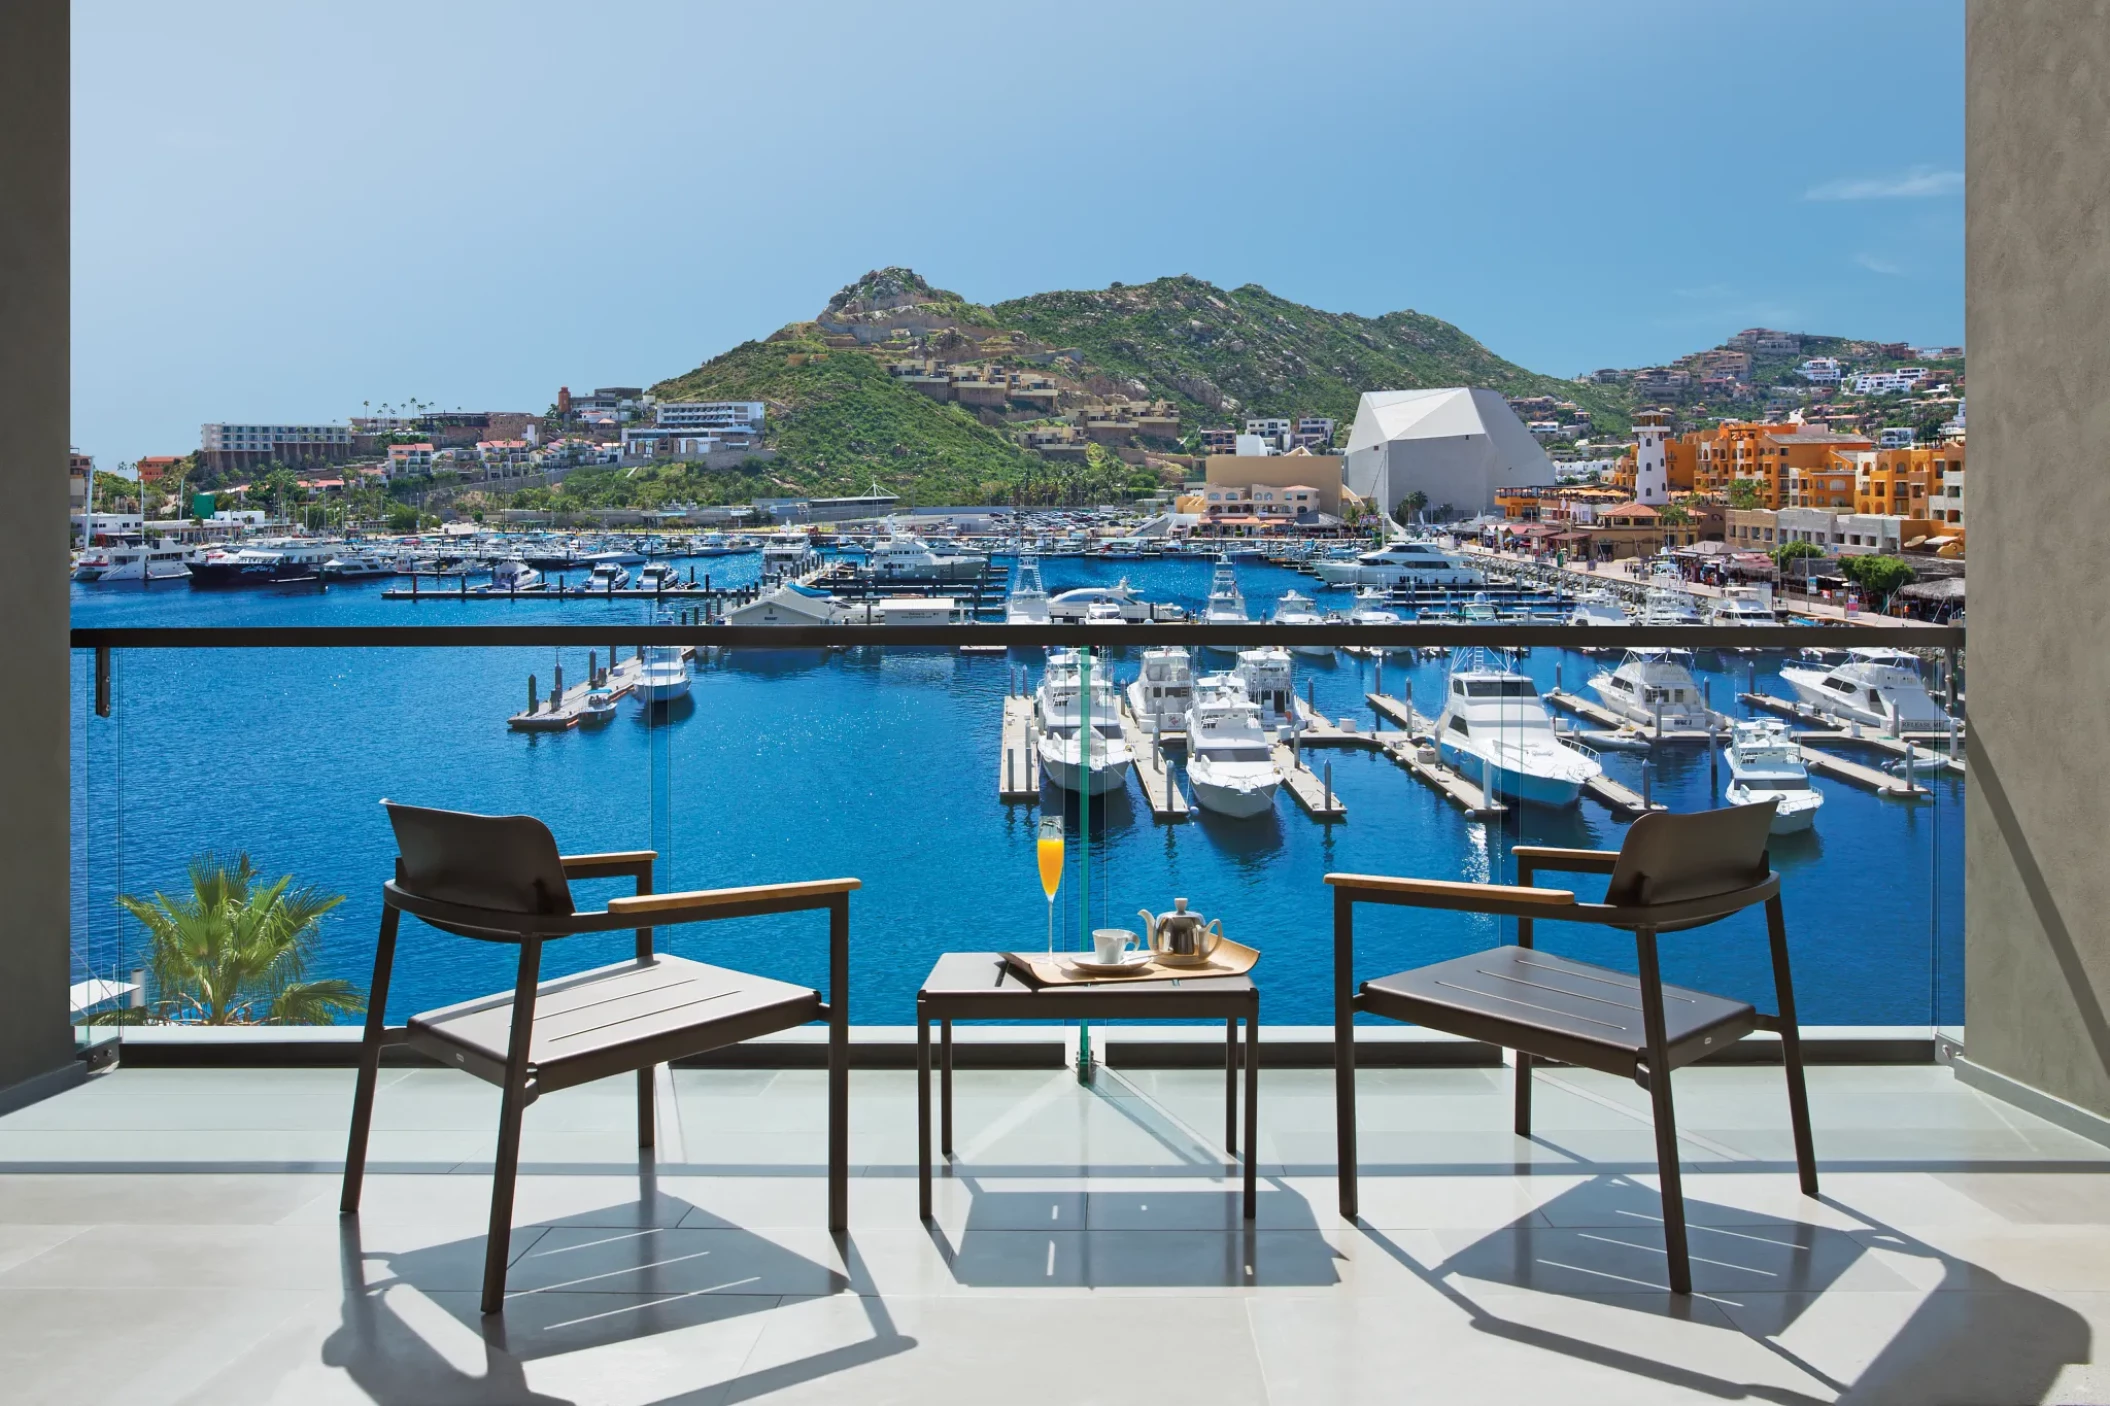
column 1222, row 355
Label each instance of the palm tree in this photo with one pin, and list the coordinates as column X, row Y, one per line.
column 230, row 953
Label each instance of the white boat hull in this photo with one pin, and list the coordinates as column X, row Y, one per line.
column 1237, row 800
column 1809, row 687
column 1511, row 782
column 1786, row 820
column 1069, row 774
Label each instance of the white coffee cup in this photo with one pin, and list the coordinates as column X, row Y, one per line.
column 1109, row 943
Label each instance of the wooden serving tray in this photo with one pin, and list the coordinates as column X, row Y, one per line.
column 1038, row 969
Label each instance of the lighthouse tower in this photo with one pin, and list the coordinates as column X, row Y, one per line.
column 1651, row 470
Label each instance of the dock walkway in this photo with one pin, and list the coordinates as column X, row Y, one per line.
column 1461, row 790
column 1828, row 729
column 1018, row 763
column 1605, row 718
column 566, row 705
column 1160, row 787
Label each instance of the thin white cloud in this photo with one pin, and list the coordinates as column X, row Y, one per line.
column 1919, row 183
column 1876, row 263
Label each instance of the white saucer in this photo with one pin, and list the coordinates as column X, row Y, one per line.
column 1130, row 962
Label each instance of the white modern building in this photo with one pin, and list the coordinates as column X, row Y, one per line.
column 710, row 415
column 231, row 446
column 1820, row 371
column 1895, row 437
column 1455, row 445
column 1896, row 382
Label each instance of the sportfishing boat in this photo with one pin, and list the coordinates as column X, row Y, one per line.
column 1668, row 601
column 1159, row 696
column 904, row 557
column 1028, row 602
column 1072, row 606
column 1226, row 603
column 1296, row 608
column 658, row 576
column 1651, row 685
column 715, row 544
column 1264, row 674
column 607, row 576
column 1765, row 764
column 1404, row 562
column 1494, row 729
column 513, row 577
column 1742, row 605
column 1230, row 764
column 664, row 673
column 287, row 563
column 133, row 562
column 1597, row 607
column 1371, row 610
column 1480, row 610
column 1880, row 687
column 1081, row 747
column 358, row 566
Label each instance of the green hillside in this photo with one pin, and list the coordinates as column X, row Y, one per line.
column 1220, row 354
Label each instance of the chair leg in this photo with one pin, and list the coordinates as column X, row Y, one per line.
column 369, row 1063
column 505, row 1167
column 1665, row 1117
column 1791, row 1048
column 839, row 1065
column 922, row 1108
column 1523, row 1081
column 1344, row 1051
column 945, row 1088
column 1231, row 1086
column 647, row 1122
column 1252, row 1109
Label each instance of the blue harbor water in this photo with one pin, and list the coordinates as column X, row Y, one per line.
column 882, row 765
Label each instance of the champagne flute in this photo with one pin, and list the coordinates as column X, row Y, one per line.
column 1047, row 849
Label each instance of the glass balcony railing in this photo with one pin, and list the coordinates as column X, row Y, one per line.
column 921, row 760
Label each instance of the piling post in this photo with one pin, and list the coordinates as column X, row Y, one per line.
column 1949, row 684
column 1657, row 737
column 556, row 688
column 465, row 585
column 413, row 583
column 1647, row 786
column 1329, row 785
column 531, row 693
column 593, row 668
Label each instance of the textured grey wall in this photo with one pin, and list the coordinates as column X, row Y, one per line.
column 34, row 394
column 2037, row 961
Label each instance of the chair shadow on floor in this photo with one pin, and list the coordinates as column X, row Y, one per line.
column 1765, row 1275
column 413, row 1335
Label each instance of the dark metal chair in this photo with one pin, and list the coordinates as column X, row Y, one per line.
column 499, row 878
column 1674, row 872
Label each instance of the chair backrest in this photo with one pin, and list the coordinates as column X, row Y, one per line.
column 1671, row 858
column 499, row 863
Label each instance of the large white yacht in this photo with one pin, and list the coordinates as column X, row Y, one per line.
column 1296, row 608
column 133, row 562
column 905, row 557
column 1656, row 683
column 1264, row 674
column 1669, row 600
column 608, row 576
column 361, row 565
column 285, row 562
column 1875, row 686
column 1071, row 607
column 1765, row 764
column 1230, row 764
column 1028, row 601
column 512, row 576
column 1743, row 605
column 1405, row 562
column 1370, row 609
column 1076, row 755
column 1226, row 603
column 1495, row 730
column 664, row 675
column 1597, row 606
column 1159, row 697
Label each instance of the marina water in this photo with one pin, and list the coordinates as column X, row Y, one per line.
column 882, row 764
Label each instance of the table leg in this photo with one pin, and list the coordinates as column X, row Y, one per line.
column 945, row 1088
column 1231, row 1086
column 922, row 1111
column 1252, row 1107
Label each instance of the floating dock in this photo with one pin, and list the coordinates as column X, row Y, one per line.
column 1829, row 729
column 1881, row 782
column 1461, row 790
column 1605, row 718
column 1018, row 764
column 1160, row 787
column 565, row 707
column 1313, row 791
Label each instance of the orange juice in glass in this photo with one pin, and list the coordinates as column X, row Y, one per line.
column 1047, row 848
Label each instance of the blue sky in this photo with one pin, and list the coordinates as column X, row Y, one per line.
column 281, row 210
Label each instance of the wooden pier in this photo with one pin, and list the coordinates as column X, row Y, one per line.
column 1018, row 763
column 565, row 707
column 1828, row 729
column 1160, row 787
column 1873, row 778
column 1605, row 718
column 1623, row 801
column 1313, row 791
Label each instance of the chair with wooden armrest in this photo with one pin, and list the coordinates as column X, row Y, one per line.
column 499, row 878
column 1673, row 873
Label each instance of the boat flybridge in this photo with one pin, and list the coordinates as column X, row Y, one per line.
column 1404, row 561
column 1028, row 602
column 1296, row 608
column 1880, row 687
column 1765, row 764
column 1264, row 675
column 1160, row 694
column 1081, row 747
column 1656, row 686
column 1494, row 729
column 1230, row 764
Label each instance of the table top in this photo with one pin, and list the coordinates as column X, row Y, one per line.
column 983, row 977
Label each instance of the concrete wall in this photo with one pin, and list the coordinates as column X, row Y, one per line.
column 35, row 1041
column 2038, row 228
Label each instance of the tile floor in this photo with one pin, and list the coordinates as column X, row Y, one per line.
column 172, row 1236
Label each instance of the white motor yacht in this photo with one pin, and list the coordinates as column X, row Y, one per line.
column 715, row 544
column 1597, row 607
column 1880, row 687
column 607, row 576
column 1404, row 562
column 358, row 566
column 787, row 556
column 1296, row 608
column 904, row 557
column 664, row 676
column 1081, row 747
column 1265, row 676
column 1028, row 602
column 1226, row 603
column 1370, row 609
column 1669, row 601
column 1649, row 685
column 133, row 562
column 1765, row 764
column 618, row 556
column 1071, row 607
column 1230, row 764
column 658, row 576
column 1742, row 605
column 1495, row 730
column 1159, row 697
column 510, row 577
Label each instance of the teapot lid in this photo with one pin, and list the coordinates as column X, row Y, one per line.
column 1179, row 905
